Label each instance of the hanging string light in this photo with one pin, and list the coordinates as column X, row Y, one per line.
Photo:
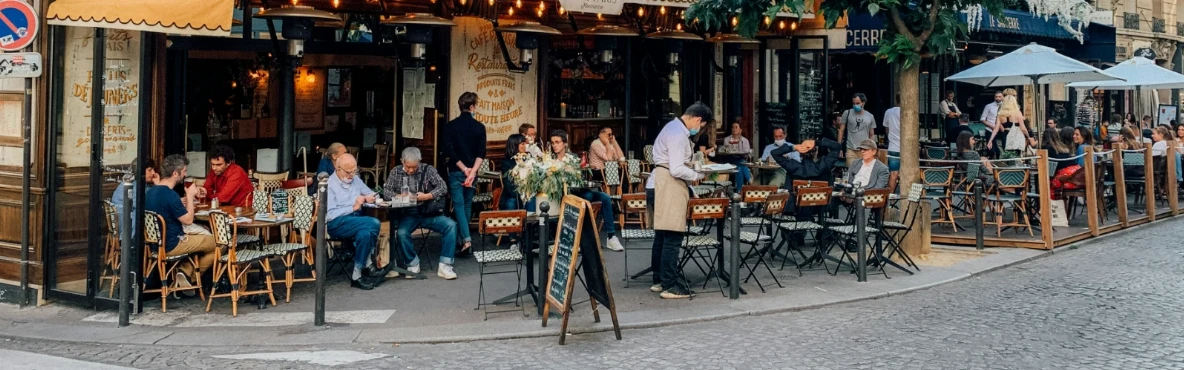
column 561, row 10
column 641, row 11
column 518, row 4
column 780, row 25
column 511, row 11
column 662, row 10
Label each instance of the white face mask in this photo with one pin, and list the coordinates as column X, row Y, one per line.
column 779, row 142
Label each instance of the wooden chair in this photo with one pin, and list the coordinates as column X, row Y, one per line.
column 754, row 196
column 353, row 150
column 874, row 200
column 110, row 268
column 1010, row 181
column 268, row 182
column 234, row 264
column 158, row 260
column 938, row 183
column 499, row 223
column 762, row 240
column 648, row 152
column 379, row 170
column 634, row 204
column 295, row 187
column 301, row 244
column 698, row 249
column 634, row 170
column 805, row 197
column 612, row 180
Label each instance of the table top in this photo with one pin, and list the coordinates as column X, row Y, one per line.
column 391, row 205
column 247, row 212
column 492, row 175
column 762, row 166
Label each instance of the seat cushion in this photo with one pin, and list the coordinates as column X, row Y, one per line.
column 247, row 255
column 280, row 249
column 498, row 255
column 700, row 241
column 247, row 239
column 799, row 226
column 171, row 258
column 636, row 233
column 850, row 229
column 750, row 237
column 481, row 198
column 833, row 221
column 752, row 221
column 694, row 229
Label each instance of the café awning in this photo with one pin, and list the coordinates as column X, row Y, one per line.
column 178, row 17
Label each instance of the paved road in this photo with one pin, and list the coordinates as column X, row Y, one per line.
column 1111, row 305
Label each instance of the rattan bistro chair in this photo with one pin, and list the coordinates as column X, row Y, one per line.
column 110, row 268
column 938, row 183
column 499, row 223
column 300, row 246
column 634, row 204
column 380, row 168
column 268, row 182
column 634, row 172
column 157, row 260
column 1009, row 182
column 234, row 264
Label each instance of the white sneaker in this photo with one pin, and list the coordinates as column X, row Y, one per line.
column 656, row 288
column 445, row 271
column 183, row 281
column 614, row 244
column 413, row 269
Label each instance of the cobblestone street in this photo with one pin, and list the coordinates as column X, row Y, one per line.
column 1106, row 305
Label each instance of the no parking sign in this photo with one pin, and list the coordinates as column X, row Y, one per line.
column 18, row 25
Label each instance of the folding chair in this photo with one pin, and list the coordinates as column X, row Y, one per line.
column 898, row 230
column 698, row 247
column 157, row 259
column 762, row 240
column 754, row 196
column 874, row 200
column 806, row 197
column 499, row 223
column 634, row 204
column 234, row 264
column 300, row 246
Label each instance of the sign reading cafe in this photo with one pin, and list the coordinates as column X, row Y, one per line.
column 505, row 99
column 121, row 92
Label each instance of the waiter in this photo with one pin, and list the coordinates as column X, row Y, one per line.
column 669, row 181
column 990, row 114
column 949, row 110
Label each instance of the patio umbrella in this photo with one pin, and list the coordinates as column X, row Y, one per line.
column 1033, row 64
column 1138, row 74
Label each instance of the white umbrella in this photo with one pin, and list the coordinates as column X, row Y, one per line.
column 1138, row 74
column 1033, row 64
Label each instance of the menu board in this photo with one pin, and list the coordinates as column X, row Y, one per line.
column 811, row 101
column 566, row 245
column 576, row 228
column 775, row 115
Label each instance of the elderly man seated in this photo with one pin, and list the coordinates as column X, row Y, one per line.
column 423, row 182
column 347, row 194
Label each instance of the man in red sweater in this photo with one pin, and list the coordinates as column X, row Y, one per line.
column 226, row 180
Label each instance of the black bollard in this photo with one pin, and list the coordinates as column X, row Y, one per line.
column 978, row 214
column 734, row 251
column 322, row 239
column 125, row 254
column 860, row 234
column 544, row 252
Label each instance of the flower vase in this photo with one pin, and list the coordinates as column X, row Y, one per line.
column 553, row 211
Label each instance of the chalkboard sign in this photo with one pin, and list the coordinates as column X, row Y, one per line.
column 775, row 115
column 577, row 228
column 811, row 101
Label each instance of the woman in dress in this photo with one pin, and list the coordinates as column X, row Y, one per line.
column 1010, row 118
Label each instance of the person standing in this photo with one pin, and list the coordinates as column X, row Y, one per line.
column 767, row 155
column 177, row 214
column 464, row 147
column 668, row 192
column 423, row 182
column 858, row 125
column 949, row 110
column 990, row 113
column 892, row 125
column 226, row 180
column 344, row 219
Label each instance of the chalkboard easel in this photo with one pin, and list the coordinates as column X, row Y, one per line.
column 576, row 228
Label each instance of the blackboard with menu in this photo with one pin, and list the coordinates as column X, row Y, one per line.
column 577, row 228
column 775, row 115
column 811, row 101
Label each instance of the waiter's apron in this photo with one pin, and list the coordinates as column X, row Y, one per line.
column 671, row 196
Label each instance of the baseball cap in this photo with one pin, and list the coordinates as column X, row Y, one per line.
column 867, row 144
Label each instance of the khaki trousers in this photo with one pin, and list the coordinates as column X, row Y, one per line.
column 201, row 245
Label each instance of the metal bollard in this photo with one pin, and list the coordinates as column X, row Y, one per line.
column 125, row 254
column 544, row 251
column 978, row 214
column 860, row 234
column 321, row 248
column 734, row 251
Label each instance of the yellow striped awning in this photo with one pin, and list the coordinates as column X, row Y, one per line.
column 183, row 17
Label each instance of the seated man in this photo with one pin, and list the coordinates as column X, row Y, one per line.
column 768, row 156
column 344, row 220
column 424, row 183
column 177, row 214
column 226, row 181
column 868, row 171
column 150, row 178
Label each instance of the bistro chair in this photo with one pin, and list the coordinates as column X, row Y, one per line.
column 762, row 240
column 806, row 197
column 294, row 188
column 1008, row 182
column 110, row 268
column 937, row 152
column 268, row 182
column 874, row 200
column 648, row 152
column 166, row 267
column 698, row 249
column 234, row 264
column 1135, row 183
column 634, row 168
column 964, row 190
column 483, row 191
column 353, row 150
column 499, row 223
column 938, row 186
column 379, row 170
column 300, row 246
column 612, row 180
column 634, row 204
column 754, row 196
column 898, row 230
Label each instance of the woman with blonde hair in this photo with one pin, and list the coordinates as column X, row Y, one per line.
column 1010, row 117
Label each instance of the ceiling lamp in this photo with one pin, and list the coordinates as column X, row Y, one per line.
column 527, row 36
column 732, row 44
column 419, row 29
column 298, row 22
column 606, row 38
column 674, row 42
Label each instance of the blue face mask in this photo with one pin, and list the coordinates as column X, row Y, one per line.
column 857, row 108
column 695, row 131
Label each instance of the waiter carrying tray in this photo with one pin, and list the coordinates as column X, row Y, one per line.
column 668, row 191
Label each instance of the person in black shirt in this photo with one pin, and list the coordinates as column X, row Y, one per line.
column 464, row 148
column 963, row 126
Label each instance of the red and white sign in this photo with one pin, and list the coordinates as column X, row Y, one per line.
column 19, row 25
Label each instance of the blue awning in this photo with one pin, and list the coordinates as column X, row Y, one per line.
column 1021, row 23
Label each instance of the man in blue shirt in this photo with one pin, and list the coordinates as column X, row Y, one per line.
column 150, row 178
column 177, row 214
column 344, row 219
column 767, row 155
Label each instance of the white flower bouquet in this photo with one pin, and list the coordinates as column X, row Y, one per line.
column 545, row 175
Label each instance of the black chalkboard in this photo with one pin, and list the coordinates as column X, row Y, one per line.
column 576, row 229
column 565, row 242
column 775, row 115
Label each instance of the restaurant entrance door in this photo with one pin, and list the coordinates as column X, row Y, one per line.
column 91, row 156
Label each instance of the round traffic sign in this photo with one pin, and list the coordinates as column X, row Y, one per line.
column 18, row 25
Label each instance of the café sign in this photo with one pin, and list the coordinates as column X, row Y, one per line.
column 594, row 6
column 505, row 99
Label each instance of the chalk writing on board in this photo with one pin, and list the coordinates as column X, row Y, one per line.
column 568, row 230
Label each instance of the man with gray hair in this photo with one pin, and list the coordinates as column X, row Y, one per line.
column 423, row 183
column 344, row 218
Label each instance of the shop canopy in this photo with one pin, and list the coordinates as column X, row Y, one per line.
column 1033, row 64
column 1138, row 72
column 179, row 17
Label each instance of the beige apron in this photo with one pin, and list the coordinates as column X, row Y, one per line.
column 671, row 196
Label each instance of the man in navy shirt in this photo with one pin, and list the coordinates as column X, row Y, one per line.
column 464, row 146
column 165, row 202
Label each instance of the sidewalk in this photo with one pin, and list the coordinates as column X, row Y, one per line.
column 435, row 310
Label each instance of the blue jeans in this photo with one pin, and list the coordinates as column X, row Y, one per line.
column 362, row 229
column 440, row 224
column 1179, row 168
column 462, row 202
column 743, row 175
column 606, row 209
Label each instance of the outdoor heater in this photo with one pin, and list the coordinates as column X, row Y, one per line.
column 607, row 39
column 419, row 30
column 732, row 44
column 298, row 22
column 675, row 40
column 527, row 39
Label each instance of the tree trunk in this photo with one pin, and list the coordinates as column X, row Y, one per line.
column 916, row 243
